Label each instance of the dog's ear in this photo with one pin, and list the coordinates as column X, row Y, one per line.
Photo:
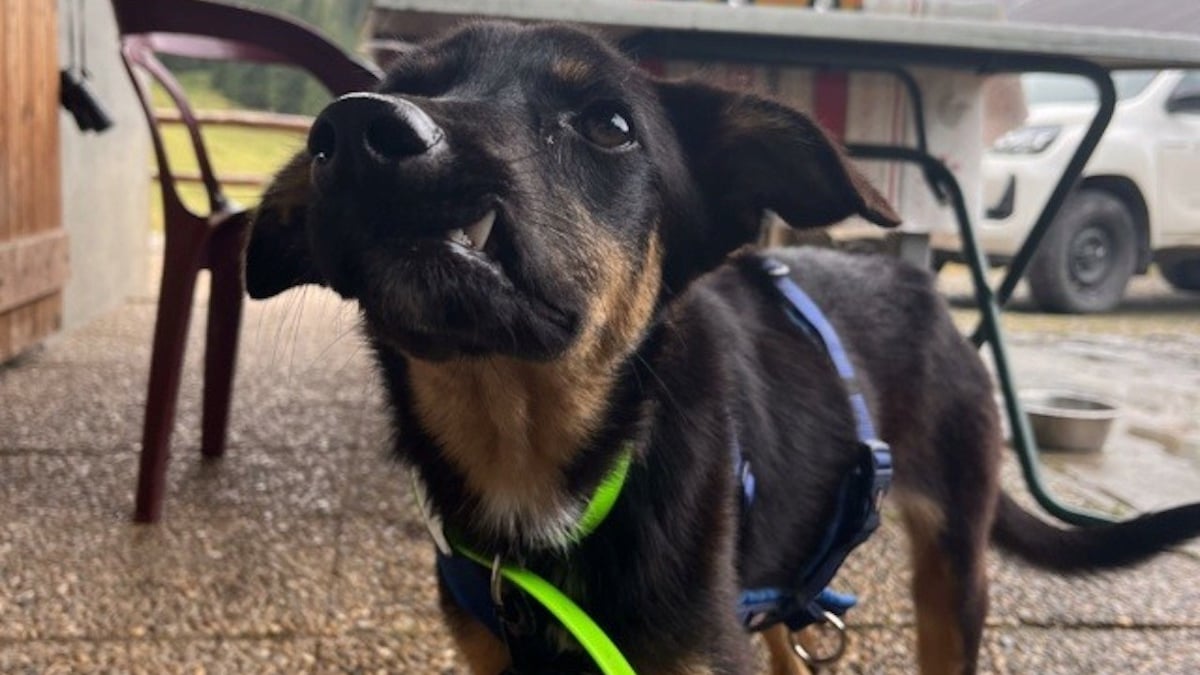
column 748, row 154
column 278, row 256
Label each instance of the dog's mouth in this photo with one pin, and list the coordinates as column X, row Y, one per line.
column 456, row 286
column 475, row 237
column 477, row 242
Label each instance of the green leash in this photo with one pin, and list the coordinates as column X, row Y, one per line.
column 590, row 636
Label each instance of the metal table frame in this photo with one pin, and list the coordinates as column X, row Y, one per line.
column 878, row 43
column 842, row 56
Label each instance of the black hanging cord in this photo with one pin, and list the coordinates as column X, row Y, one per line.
column 75, row 92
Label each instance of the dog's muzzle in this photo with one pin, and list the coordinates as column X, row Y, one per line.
column 368, row 135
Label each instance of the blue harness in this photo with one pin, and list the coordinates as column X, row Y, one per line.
column 856, row 514
column 859, row 497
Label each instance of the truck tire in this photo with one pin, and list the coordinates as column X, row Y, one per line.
column 1086, row 259
column 1183, row 275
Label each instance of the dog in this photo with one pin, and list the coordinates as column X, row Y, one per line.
column 549, row 250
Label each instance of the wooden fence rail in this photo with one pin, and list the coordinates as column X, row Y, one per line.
column 226, row 179
column 251, row 119
column 245, row 119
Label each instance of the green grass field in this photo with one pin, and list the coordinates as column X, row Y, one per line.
column 232, row 150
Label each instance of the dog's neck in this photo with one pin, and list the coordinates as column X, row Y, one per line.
column 512, row 428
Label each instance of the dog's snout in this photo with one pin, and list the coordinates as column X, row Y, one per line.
column 367, row 132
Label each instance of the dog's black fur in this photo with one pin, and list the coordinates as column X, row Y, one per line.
column 600, row 312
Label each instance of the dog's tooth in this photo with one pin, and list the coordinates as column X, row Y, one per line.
column 458, row 236
column 480, row 230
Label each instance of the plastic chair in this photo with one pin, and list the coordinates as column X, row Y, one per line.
column 213, row 241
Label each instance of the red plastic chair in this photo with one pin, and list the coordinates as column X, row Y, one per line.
column 213, row 241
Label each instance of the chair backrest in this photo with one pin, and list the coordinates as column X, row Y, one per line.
column 214, row 31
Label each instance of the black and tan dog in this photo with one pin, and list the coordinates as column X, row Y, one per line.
column 537, row 234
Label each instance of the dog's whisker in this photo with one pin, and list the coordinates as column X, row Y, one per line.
column 287, row 308
column 296, row 322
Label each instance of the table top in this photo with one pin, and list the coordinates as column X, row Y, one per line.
column 924, row 38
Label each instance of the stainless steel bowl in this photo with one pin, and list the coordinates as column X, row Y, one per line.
column 1063, row 420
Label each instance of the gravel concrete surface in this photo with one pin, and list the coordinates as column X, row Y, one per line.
column 301, row 551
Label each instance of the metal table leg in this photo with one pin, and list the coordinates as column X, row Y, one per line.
column 852, row 56
column 1108, row 102
column 988, row 329
column 1022, row 436
column 989, row 303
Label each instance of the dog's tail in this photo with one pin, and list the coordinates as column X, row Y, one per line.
column 1091, row 549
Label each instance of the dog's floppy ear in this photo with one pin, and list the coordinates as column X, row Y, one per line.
column 278, row 256
column 748, row 154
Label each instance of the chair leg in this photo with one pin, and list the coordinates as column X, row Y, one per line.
column 220, row 351
column 181, row 265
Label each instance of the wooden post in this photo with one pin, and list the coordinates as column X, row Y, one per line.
column 33, row 245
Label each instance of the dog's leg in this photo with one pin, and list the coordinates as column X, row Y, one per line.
column 949, row 585
column 779, row 647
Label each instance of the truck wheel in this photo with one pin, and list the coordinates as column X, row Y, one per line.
column 1086, row 259
column 1183, row 275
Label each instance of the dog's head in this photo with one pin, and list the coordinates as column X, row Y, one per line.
column 522, row 190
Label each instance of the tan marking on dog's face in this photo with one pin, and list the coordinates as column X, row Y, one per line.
column 623, row 302
column 572, row 71
column 511, row 426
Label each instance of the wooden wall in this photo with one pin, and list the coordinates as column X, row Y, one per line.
column 33, row 245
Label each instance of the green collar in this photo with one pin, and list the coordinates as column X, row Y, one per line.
column 590, row 636
column 604, row 497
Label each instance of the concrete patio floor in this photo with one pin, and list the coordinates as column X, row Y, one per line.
column 301, row 550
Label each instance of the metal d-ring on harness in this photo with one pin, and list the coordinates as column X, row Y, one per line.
column 808, row 601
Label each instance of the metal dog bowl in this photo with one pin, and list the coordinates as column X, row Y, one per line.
column 1068, row 421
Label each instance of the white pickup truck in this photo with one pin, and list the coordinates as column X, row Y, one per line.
column 1138, row 201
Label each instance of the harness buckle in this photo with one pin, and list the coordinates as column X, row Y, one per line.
column 813, row 659
column 881, row 454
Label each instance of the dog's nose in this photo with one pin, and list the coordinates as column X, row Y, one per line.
column 368, row 132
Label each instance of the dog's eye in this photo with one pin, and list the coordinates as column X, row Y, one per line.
column 607, row 126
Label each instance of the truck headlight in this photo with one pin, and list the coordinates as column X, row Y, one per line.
column 1026, row 140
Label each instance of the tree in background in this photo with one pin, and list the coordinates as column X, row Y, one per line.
column 277, row 88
